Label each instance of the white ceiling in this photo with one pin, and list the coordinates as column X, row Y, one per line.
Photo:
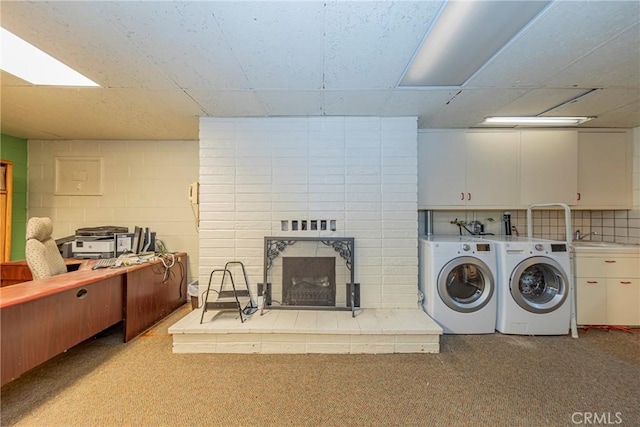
column 163, row 64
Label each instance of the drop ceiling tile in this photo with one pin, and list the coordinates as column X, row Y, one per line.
column 229, row 103
column 421, row 102
column 537, row 101
column 562, row 34
column 368, row 45
column 77, row 35
column 624, row 117
column 279, row 44
column 597, row 102
column 617, row 60
column 11, row 80
column 181, row 40
column 291, row 102
column 103, row 113
column 469, row 107
column 355, row 103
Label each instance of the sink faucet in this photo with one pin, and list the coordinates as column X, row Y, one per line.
column 581, row 237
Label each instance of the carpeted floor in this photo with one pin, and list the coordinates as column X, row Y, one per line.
column 481, row 380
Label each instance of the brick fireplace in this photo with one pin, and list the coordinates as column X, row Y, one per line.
column 323, row 178
column 339, row 176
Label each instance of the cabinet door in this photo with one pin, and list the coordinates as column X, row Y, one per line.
column 441, row 169
column 548, row 167
column 591, row 301
column 492, row 169
column 623, row 302
column 604, row 170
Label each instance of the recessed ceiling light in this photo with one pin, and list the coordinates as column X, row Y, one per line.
column 536, row 121
column 29, row 63
column 464, row 36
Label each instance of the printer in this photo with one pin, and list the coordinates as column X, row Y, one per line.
column 96, row 242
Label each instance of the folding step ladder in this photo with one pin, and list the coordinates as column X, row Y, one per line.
column 229, row 299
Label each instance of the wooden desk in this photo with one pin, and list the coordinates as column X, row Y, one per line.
column 42, row 318
column 13, row 272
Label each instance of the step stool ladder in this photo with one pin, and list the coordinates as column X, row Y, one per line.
column 229, row 299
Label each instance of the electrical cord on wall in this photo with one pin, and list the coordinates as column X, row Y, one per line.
column 195, row 209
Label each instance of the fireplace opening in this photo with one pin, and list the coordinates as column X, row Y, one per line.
column 309, row 281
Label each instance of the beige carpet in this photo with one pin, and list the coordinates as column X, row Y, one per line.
column 488, row 380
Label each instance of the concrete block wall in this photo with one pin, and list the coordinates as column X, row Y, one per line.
column 145, row 183
column 361, row 172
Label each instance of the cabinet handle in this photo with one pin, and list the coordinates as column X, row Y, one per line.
column 579, row 196
column 624, row 282
column 592, row 281
column 81, row 293
column 610, row 261
column 468, row 196
column 461, row 196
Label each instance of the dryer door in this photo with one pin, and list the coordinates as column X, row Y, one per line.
column 465, row 284
column 539, row 285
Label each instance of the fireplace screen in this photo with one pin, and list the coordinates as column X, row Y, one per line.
column 313, row 272
column 309, row 281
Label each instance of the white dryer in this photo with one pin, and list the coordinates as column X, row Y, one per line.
column 533, row 286
column 457, row 279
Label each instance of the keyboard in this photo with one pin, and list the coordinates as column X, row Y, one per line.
column 104, row 263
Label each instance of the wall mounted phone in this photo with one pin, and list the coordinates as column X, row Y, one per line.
column 194, row 193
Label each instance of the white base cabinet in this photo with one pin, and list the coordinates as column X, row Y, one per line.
column 608, row 288
column 591, row 301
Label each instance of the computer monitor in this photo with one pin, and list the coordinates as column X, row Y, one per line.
column 144, row 240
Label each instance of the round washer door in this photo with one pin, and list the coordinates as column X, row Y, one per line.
column 539, row 285
column 465, row 284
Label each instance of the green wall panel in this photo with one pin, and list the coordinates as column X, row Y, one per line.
column 15, row 149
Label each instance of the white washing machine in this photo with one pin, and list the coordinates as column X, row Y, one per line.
column 457, row 279
column 533, row 286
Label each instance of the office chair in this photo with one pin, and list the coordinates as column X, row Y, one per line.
column 41, row 251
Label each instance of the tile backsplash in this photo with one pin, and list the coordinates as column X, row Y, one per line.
column 620, row 226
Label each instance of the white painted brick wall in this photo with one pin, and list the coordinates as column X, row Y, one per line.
column 145, row 183
column 359, row 171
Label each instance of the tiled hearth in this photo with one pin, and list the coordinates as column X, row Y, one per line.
column 308, row 331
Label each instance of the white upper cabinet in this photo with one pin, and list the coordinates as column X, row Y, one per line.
column 590, row 169
column 492, row 168
column 605, row 170
column 441, row 169
column 548, row 167
column 459, row 169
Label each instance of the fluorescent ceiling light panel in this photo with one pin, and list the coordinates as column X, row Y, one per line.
column 29, row 63
column 464, row 37
column 536, row 121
